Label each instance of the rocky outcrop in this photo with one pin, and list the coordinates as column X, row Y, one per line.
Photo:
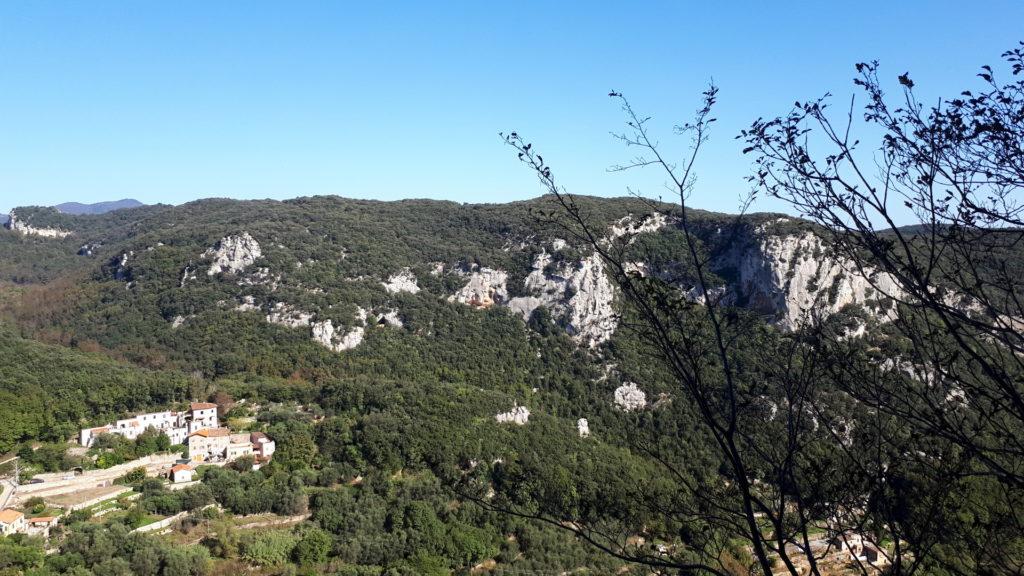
column 486, row 287
column 121, row 270
column 579, row 295
column 188, row 273
column 630, row 397
column 404, row 281
column 15, row 225
column 583, row 428
column 518, row 415
column 794, row 277
column 631, row 226
column 325, row 334
column 283, row 314
column 233, row 254
column 389, row 317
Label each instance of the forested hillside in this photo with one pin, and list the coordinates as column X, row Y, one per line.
column 450, row 386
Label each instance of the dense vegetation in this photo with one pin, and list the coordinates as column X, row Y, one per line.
column 386, row 446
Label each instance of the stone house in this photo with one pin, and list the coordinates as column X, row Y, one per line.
column 208, row 444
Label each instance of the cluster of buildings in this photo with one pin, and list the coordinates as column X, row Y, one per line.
column 177, row 425
column 220, row 445
column 15, row 522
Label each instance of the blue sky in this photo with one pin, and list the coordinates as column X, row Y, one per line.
column 168, row 102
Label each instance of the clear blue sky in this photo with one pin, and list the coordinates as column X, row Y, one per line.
column 172, row 101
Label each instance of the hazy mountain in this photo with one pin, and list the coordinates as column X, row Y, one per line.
column 97, row 207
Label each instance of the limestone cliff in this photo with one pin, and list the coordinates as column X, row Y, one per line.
column 15, row 225
column 233, row 254
column 793, row 277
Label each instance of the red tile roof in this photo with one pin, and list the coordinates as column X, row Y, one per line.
column 202, row 405
column 211, row 432
column 10, row 516
column 180, row 467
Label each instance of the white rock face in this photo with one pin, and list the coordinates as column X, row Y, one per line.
column 177, row 322
column 324, row 333
column 15, row 225
column 629, row 397
column 286, row 315
column 404, row 281
column 588, row 313
column 630, row 226
column 793, row 276
column 390, row 318
column 486, row 287
column 233, row 254
column 518, row 415
column 583, row 428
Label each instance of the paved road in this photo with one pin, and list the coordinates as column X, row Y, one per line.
column 9, row 489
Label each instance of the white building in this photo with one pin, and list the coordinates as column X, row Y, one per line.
column 262, row 445
column 181, row 473
column 203, row 415
column 12, row 522
column 177, row 425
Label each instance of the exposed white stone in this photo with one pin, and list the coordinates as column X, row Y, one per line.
column 188, row 273
column 121, row 269
column 629, row 226
column 286, row 315
column 583, row 428
column 558, row 244
column 518, row 415
column 233, row 254
column 629, row 397
column 177, row 322
column 437, row 268
column 403, row 281
column 390, row 318
column 262, row 277
column 486, row 287
column 795, row 276
column 588, row 313
column 248, row 303
column 15, row 225
column 325, row 334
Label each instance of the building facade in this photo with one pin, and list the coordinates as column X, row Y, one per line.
column 177, row 425
column 12, row 522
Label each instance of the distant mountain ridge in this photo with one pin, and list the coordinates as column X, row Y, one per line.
column 98, row 207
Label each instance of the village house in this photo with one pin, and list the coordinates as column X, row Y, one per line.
column 41, row 525
column 177, row 425
column 239, row 446
column 181, row 473
column 263, row 446
column 860, row 549
column 12, row 522
column 208, row 444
